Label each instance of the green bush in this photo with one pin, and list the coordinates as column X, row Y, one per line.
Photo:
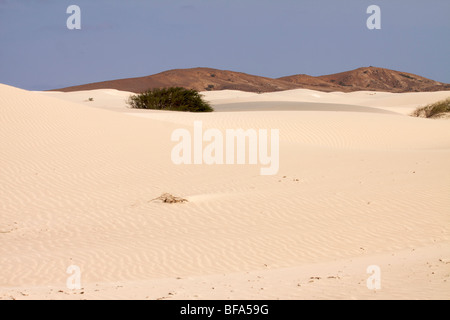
column 433, row 110
column 174, row 99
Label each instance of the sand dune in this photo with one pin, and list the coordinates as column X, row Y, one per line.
column 359, row 184
column 403, row 103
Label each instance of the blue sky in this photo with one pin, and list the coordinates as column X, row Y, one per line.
column 131, row 38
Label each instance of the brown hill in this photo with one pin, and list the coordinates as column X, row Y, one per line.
column 305, row 81
column 201, row 79
column 379, row 79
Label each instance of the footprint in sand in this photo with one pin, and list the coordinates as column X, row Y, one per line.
column 8, row 228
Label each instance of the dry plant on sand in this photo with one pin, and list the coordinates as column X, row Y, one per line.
column 440, row 109
column 168, row 198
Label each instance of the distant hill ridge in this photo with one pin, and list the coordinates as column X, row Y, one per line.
column 201, row 79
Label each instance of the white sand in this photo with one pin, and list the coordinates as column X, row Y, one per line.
column 403, row 103
column 76, row 184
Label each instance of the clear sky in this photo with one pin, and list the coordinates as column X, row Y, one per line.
column 131, row 38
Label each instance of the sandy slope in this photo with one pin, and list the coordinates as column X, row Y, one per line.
column 355, row 188
column 403, row 103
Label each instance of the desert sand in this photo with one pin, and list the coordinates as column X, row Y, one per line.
column 360, row 184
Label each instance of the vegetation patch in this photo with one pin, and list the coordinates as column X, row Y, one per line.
column 174, row 99
column 407, row 76
column 168, row 198
column 435, row 110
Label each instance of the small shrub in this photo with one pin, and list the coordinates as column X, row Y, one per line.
column 174, row 99
column 91, row 99
column 168, row 198
column 209, row 87
column 433, row 110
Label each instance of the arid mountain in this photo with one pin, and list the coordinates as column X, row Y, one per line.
column 379, row 79
column 201, row 79
column 305, row 81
